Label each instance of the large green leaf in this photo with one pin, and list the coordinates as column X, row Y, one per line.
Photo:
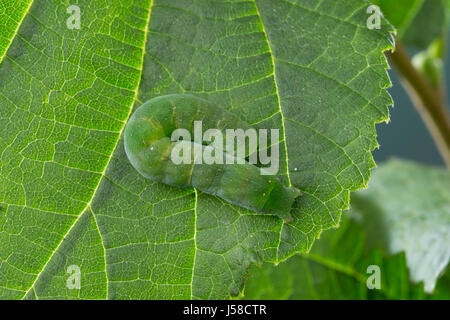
column 68, row 192
column 410, row 205
column 337, row 268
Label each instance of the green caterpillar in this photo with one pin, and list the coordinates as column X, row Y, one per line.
column 148, row 146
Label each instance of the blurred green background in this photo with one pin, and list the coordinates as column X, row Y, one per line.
column 406, row 136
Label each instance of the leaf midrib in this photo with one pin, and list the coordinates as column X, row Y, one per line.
column 277, row 92
column 16, row 31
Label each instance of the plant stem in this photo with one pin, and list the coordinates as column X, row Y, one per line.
column 429, row 101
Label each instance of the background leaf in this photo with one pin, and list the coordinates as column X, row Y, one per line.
column 427, row 26
column 418, row 22
column 68, row 192
column 410, row 203
column 401, row 13
column 336, row 268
